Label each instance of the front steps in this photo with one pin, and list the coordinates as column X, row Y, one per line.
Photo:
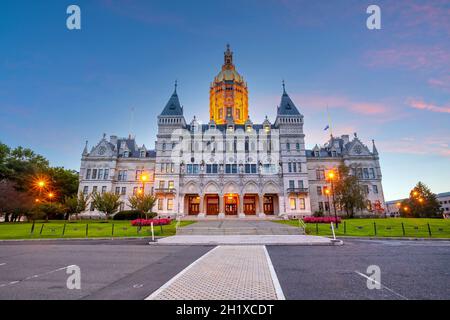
column 215, row 231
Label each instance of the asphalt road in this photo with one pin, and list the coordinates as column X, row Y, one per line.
column 131, row 269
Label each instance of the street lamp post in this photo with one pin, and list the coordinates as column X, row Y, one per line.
column 327, row 192
column 144, row 179
column 331, row 177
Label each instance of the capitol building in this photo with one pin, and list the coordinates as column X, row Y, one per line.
column 230, row 166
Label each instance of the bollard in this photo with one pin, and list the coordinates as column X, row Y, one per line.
column 345, row 227
column 87, row 229
column 42, row 228
column 112, row 230
column 64, row 230
column 161, row 228
column 429, row 229
column 403, row 229
column 375, row 227
column 317, row 228
column 32, row 227
column 153, row 232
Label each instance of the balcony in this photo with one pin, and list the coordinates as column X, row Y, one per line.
column 298, row 190
column 165, row 190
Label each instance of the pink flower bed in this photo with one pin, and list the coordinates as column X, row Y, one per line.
column 148, row 222
column 321, row 220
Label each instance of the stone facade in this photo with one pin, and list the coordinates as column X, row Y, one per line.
column 230, row 168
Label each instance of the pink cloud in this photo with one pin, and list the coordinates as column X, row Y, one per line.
column 431, row 145
column 421, row 105
column 442, row 82
column 410, row 57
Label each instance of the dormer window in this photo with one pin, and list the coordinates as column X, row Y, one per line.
column 126, row 154
column 316, row 154
column 333, row 154
column 267, row 128
column 249, row 128
column 142, row 154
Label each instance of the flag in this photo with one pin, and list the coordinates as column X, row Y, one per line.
column 326, row 128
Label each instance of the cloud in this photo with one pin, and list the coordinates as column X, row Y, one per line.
column 421, row 105
column 411, row 57
column 440, row 82
column 424, row 146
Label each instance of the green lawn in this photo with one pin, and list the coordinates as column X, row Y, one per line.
column 389, row 227
column 77, row 229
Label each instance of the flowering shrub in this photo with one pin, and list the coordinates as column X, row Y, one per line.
column 148, row 222
column 321, row 219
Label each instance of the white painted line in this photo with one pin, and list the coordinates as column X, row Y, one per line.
column 2, row 264
column 382, row 285
column 276, row 283
column 168, row 283
column 33, row 277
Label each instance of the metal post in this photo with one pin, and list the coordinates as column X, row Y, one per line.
column 42, row 228
column 375, row 227
column 345, row 227
column 153, row 232
column 87, row 229
column 403, row 229
column 429, row 229
column 332, row 229
column 317, row 228
column 64, row 230
column 112, row 230
column 334, row 204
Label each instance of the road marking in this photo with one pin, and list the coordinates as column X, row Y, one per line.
column 225, row 273
column 382, row 285
column 168, row 283
column 2, row 264
column 33, row 277
column 275, row 281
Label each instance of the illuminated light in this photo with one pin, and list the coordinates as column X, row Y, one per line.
column 144, row 177
column 41, row 184
column 331, row 175
column 420, row 200
column 51, row 195
column 406, row 208
column 36, row 200
column 399, row 204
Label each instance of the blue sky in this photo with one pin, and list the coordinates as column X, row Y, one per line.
column 59, row 88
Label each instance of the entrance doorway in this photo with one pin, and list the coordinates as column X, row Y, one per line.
column 268, row 204
column 250, row 204
column 212, row 204
column 193, row 204
column 231, row 204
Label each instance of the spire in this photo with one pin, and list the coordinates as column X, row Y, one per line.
column 228, row 58
column 374, row 148
column 287, row 107
column 85, row 151
column 173, row 106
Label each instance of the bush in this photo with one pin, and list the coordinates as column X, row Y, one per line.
column 148, row 222
column 318, row 214
column 321, row 220
column 128, row 215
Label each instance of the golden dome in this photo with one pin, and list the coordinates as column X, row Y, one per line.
column 228, row 75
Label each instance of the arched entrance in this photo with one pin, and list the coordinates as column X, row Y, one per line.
column 270, row 204
column 231, row 204
column 212, row 204
column 193, row 204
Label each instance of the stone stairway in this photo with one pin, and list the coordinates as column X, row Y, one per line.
column 239, row 228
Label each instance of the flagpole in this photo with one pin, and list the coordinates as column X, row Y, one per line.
column 329, row 122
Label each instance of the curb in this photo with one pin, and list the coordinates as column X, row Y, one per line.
column 76, row 239
column 395, row 238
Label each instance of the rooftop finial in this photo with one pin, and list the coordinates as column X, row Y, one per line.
column 284, row 86
column 176, row 85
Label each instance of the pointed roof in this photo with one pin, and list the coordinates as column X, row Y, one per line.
column 287, row 107
column 173, row 106
column 374, row 148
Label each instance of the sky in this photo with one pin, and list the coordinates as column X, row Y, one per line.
column 60, row 87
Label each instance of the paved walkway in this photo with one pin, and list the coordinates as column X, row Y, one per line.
column 246, row 240
column 238, row 227
column 225, row 273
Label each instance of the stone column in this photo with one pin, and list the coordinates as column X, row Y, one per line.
column 241, row 213
column 221, row 206
column 201, row 213
column 261, row 205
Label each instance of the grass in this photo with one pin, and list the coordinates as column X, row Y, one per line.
column 389, row 227
column 77, row 229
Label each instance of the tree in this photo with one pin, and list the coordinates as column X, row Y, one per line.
column 144, row 203
column 348, row 192
column 75, row 204
column 48, row 210
column 422, row 203
column 13, row 203
column 64, row 181
column 107, row 202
